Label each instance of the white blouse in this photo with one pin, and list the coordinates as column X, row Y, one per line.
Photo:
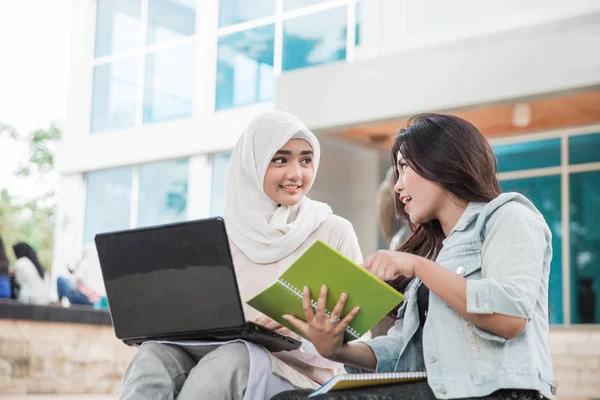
column 33, row 289
column 253, row 278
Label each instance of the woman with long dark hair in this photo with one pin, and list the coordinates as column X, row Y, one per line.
column 22, row 249
column 474, row 273
column 29, row 275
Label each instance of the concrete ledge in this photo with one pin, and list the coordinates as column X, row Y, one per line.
column 60, row 357
column 10, row 309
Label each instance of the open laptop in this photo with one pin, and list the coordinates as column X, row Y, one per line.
column 177, row 282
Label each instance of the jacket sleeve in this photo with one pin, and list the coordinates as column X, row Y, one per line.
column 514, row 263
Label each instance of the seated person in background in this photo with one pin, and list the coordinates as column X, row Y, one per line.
column 88, row 288
column 29, row 275
column 5, row 287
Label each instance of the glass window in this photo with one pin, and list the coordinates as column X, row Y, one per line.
column 107, row 202
column 237, row 11
column 295, row 4
column 544, row 192
column 245, row 68
column 163, row 192
column 360, row 9
column 584, row 149
column 585, row 247
column 314, row 39
column 170, row 19
column 114, row 95
column 169, row 84
column 117, row 26
column 220, row 166
column 528, row 155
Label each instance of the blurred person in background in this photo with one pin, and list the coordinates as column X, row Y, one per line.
column 86, row 287
column 29, row 275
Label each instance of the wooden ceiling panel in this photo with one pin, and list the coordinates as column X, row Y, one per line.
column 493, row 121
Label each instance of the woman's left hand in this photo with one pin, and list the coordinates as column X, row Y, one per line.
column 326, row 333
column 388, row 265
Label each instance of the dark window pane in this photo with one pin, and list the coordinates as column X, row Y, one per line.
column 584, row 149
column 544, row 192
column 528, row 155
column 585, row 247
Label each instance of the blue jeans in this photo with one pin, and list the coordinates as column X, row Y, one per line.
column 66, row 290
column 5, row 289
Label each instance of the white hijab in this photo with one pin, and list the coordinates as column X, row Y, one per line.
column 265, row 232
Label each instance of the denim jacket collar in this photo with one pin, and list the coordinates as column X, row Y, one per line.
column 469, row 215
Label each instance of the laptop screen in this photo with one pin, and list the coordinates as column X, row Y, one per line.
column 170, row 279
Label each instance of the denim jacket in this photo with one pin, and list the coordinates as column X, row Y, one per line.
column 503, row 249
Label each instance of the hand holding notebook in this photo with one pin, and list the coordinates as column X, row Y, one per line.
column 321, row 265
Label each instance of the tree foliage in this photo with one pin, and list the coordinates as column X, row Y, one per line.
column 31, row 220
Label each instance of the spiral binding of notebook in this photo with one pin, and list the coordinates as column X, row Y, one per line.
column 386, row 375
column 353, row 381
column 349, row 330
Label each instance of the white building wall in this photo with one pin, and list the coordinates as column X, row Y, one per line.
column 186, row 137
column 353, row 94
column 506, row 66
column 396, row 25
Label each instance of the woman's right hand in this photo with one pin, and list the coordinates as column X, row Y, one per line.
column 325, row 333
column 388, row 265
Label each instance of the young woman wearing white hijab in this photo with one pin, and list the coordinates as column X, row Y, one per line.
column 270, row 223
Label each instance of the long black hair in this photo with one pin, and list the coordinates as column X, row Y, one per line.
column 22, row 249
column 452, row 152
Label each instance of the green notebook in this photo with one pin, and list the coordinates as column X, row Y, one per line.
column 322, row 265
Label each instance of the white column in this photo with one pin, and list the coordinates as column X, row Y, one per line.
column 68, row 231
column 207, row 21
column 79, row 97
column 199, row 187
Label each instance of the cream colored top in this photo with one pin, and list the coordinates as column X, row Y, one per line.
column 33, row 289
column 253, row 278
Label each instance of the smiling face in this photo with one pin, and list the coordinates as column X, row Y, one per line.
column 290, row 173
column 422, row 198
